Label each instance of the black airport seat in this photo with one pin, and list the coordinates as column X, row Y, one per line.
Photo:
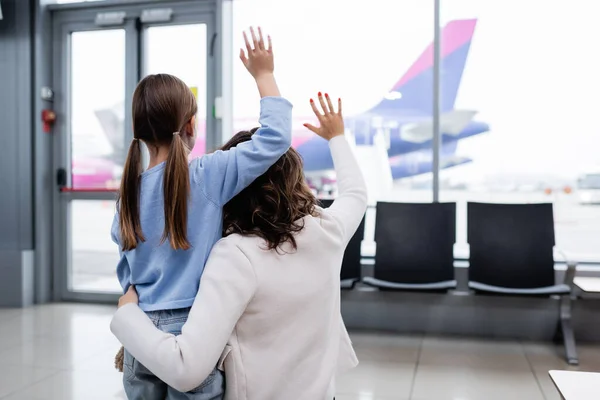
column 415, row 247
column 512, row 253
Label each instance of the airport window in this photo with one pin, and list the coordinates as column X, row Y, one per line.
column 516, row 103
column 525, row 113
column 98, row 151
column 74, row 1
column 97, row 137
column 94, row 255
column 368, row 59
column 163, row 55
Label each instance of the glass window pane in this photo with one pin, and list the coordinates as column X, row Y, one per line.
column 97, row 99
column 94, row 256
column 523, row 127
column 382, row 68
column 72, row 1
column 379, row 66
column 180, row 50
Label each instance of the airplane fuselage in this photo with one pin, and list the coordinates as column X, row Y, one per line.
column 315, row 151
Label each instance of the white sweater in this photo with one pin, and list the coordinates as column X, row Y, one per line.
column 276, row 315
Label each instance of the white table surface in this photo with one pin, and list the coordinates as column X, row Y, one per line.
column 575, row 385
column 588, row 285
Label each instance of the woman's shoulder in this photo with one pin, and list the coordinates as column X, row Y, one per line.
column 237, row 242
column 324, row 221
column 230, row 241
column 314, row 227
column 230, row 247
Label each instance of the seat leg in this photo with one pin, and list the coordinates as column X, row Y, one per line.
column 557, row 338
column 567, row 330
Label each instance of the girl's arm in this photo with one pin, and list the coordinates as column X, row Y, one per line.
column 123, row 270
column 185, row 361
column 226, row 173
column 351, row 203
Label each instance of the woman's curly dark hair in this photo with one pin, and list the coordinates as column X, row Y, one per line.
column 273, row 206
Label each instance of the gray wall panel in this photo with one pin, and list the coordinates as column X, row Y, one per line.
column 16, row 278
column 9, row 126
column 44, row 175
column 16, row 162
column 16, row 227
column 25, row 117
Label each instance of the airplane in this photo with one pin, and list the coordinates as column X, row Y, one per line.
column 404, row 116
column 405, row 113
column 421, row 161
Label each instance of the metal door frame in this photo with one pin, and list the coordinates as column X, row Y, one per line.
column 69, row 18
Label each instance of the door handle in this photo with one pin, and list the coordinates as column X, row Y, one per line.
column 61, row 178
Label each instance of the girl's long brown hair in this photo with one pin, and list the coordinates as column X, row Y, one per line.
column 162, row 106
column 273, row 206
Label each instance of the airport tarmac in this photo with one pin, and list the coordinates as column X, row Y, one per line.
column 94, row 255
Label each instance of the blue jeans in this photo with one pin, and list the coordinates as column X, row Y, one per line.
column 141, row 384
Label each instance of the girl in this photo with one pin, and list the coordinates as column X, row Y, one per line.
column 270, row 294
column 170, row 215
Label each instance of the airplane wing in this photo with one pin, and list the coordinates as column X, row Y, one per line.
column 453, row 161
column 409, row 165
column 451, row 123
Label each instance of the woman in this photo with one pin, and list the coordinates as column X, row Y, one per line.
column 270, row 293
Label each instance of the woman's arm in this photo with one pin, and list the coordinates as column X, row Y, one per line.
column 350, row 206
column 229, row 172
column 185, row 361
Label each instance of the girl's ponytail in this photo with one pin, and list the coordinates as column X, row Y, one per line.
column 176, row 190
column 129, row 199
column 162, row 104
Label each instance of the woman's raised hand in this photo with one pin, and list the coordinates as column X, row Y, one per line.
column 331, row 121
column 258, row 57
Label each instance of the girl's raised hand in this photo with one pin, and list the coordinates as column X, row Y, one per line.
column 331, row 121
column 258, row 57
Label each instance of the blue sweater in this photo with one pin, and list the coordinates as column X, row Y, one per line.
column 168, row 279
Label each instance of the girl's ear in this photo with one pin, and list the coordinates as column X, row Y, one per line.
column 190, row 127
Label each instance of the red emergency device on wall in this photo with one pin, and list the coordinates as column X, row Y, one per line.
column 48, row 119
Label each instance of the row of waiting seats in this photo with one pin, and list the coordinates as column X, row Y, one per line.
column 511, row 253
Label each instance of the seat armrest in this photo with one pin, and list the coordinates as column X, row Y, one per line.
column 571, row 269
column 570, row 274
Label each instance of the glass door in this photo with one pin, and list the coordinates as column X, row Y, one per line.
column 97, row 150
column 101, row 54
column 187, row 60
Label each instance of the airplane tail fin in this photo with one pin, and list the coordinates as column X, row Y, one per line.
column 414, row 91
column 113, row 127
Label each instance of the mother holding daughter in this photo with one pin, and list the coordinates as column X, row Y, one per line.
column 267, row 311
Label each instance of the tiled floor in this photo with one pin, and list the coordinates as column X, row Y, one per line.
column 63, row 352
